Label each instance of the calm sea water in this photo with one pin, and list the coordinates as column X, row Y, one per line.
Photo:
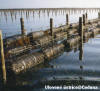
column 39, row 19
column 67, row 65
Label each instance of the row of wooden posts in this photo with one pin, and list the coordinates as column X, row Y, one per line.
column 82, row 22
column 23, row 31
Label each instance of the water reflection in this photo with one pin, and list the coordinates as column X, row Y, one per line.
column 81, row 50
column 46, row 69
column 37, row 18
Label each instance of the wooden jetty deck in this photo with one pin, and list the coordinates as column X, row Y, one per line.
column 25, row 51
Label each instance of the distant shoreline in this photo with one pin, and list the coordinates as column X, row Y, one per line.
column 43, row 8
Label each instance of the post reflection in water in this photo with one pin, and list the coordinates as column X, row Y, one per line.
column 81, row 58
column 81, row 50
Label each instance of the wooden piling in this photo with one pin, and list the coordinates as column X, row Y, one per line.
column 86, row 17
column 81, row 27
column 67, row 19
column 98, row 15
column 51, row 26
column 2, row 59
column 84, row 20
column 23, row 31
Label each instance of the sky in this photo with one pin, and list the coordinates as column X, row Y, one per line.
column 48, row 3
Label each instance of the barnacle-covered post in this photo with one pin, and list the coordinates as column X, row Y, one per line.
column 2, row 59
column 67, row 19
column 23, row 31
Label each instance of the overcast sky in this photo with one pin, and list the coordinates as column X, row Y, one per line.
column 48, row 3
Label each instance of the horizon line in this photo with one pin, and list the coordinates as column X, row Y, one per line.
column 54, row 8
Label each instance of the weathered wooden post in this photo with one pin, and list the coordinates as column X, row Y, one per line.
column 51, row 26
column 84, row 20
column 2, row 59
column 81, row 27
column 67, row 19
column 98, row 15
column 81, row 38
column 67, row 23
column 86, row 16
column 23, row 31
column 51, row 30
